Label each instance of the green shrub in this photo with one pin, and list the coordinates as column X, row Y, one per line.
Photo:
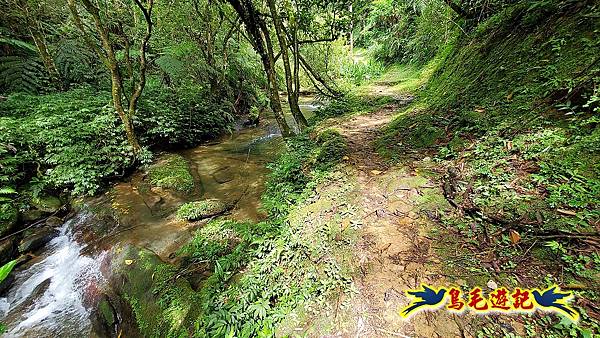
column 72, row 139
column 183, row 116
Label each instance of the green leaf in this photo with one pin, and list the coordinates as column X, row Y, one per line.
column 7, row 191
column 6, row 269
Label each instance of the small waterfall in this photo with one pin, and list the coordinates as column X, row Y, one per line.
column 48, row 298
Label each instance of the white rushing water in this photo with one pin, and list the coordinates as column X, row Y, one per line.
column 47, row 299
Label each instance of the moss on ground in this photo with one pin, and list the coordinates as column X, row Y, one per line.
column 333, row 147
column 172, row 172
column 197, row 210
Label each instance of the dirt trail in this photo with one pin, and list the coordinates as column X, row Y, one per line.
column 394, row 252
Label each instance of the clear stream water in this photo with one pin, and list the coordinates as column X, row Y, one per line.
column 53, row 294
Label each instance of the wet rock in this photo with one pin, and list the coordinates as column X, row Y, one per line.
column 32, row 215
column 6, row 283
column 16, row 313
column 154, row 201
column 223, row 175
column 7, row 250
column 46, row 203
column 105, row 321
column 37, row 238
column 146, row 291
column 54, row 221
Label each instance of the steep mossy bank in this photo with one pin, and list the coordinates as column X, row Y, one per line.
column 510, row 116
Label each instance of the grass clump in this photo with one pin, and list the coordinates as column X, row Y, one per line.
column 173, row 173
column 197, row 210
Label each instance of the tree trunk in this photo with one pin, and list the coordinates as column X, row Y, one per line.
column 47, row 59
column 308, row 68
column 255, row 27
column 457, row 9
column 289, row 82
column 269, row 64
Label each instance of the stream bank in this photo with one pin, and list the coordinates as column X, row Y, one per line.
column 138, row 218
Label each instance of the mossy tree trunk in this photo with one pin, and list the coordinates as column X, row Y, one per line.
column 106, row 52
column 292, row 85
column 258, row 35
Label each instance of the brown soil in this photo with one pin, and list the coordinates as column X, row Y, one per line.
column 394, row 252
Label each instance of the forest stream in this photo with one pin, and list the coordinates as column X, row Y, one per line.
column 58, row 289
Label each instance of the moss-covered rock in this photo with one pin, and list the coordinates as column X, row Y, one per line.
column 46, row 203
column 172, row 172
column 7, row 250
column 332, row 148
column 162, row 303
column 197, row 210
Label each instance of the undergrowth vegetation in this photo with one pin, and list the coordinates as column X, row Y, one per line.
column 258, row 273
column 511, row 115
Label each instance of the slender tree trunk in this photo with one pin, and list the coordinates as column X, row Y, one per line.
column 351, row 33
column 261, row 42
column 308, row 68
column 296, row 73
column 107, row 55
column 269, row 65
column 47, row 60
column 289, row 82
column 457, row 9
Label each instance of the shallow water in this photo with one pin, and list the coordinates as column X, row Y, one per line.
column 54, row 293
column 47, row 299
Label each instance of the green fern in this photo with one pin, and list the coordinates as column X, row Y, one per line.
column 22, row 45
column 22, row 71
column 22, row 74
column 75, row 63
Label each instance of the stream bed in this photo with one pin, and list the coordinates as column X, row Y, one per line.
column 54, row 293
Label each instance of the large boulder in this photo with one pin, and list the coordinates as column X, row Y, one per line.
column 145, row 293
column 54, row 221
column 32, row 215
column 171, row 172
column 223, row 175
column 36, row 238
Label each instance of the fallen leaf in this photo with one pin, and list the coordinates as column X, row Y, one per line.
column 515, row 237
column 492, row 285
column 128, row 261
column 567, row 212
column 345, row 158
column 480, row 110
column 376, row 172
column 509, row 97
column 345, row 224
column 509, row 145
